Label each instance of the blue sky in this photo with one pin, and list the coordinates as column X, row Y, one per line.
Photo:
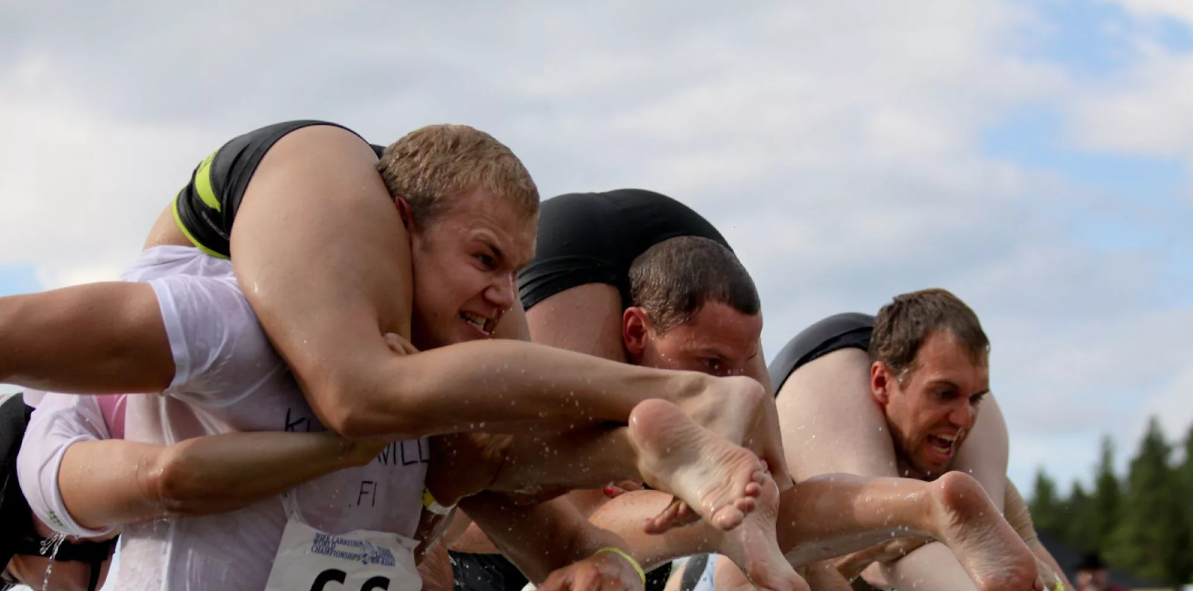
column 1031, row 156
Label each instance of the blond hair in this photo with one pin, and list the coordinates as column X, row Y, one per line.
column 433, row 165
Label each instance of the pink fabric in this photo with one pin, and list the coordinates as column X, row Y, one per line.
column 112, row 408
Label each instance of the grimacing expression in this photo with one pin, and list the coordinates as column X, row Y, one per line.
column 718, row 340
column 935, row 405
column 465, row 263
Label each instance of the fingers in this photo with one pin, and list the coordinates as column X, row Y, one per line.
column 1051, row 580
column 664, row 520
column 603, row 572
column 556, row 581
column 615, row 490
column 398, row 344
column 685, row 515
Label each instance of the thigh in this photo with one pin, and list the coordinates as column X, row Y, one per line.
column 831, row 422
column 584, row 319
column 984, row 453
column 322, row 254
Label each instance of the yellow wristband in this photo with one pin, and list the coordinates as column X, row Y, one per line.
column 622, row 553
column 1060, row 585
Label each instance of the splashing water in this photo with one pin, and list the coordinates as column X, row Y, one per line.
column 49, row 547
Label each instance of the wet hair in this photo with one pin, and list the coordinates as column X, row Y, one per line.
column 903, row 325
column 674, row 278
column 432, row 166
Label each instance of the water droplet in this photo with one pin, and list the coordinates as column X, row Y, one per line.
column 49, row 546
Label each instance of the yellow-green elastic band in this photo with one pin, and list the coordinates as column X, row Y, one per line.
column 432, row 505
column 622, row 553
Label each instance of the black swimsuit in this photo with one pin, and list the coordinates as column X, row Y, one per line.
column 595, row 237
column 842, row 331
column 206, row 207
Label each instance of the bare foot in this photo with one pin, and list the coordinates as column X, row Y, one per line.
column 740, row 410
column 985, row 544
column 717, row 479
column 754, row 549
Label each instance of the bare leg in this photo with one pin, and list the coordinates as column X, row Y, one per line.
column 834, row 515
column 985, row 452
column 831, row 423
column 661, row 446
column 585, row 319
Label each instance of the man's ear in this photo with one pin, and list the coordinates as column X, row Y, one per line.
column 635, row 325
column 880, row 382
column 404, row 211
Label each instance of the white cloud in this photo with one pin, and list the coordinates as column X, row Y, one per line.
column 836, row 144
column 1159, row 8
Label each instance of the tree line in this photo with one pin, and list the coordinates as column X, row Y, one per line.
column 1140, row 522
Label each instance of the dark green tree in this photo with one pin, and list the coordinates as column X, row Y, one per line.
column 1046, row 510
column 1106, row 503
column 1148, row 540
column 1184, row 483
column 1078, row 529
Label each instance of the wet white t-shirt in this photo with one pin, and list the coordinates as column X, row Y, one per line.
column 60, row 421
column 228, row 378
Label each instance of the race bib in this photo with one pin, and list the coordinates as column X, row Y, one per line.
column 362, row 560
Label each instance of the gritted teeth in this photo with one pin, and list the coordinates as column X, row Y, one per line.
column 480, row 322
column 942, row 442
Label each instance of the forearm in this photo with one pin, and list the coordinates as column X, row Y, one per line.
column 541, row 538
column 625, row 515
column 114, row 482
column 1044, row 556
column 1019, row 517
column 100, row 338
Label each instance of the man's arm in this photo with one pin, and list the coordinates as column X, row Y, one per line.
column 333, row 274
column 101, row 338
column 545, row 537
column 1019, row 517
column 69, row 465
column 200, row 476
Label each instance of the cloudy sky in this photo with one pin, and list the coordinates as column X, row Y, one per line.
column 1033, row 157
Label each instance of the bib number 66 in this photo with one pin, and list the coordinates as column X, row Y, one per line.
column 333, row 575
